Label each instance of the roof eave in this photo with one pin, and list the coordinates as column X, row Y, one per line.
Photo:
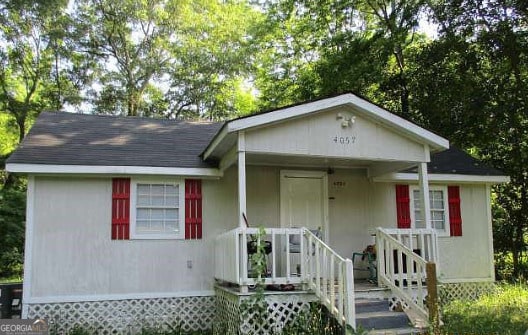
column 444, row 177
column 50, row 169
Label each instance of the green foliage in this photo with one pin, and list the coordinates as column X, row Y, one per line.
column 316, row 321
column 32, row 69
column 8, row 134
column 12, row 216
column 502, row 312
column 256, row 304
column 171, row 59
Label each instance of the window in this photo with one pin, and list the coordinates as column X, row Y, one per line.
column 157, row 209
column 439, row 209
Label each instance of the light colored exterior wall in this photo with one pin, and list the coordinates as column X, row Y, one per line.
column 262, row 194
column 358, row 206
column 468, row 257
column 315, row 135
column 463, row 258
column 73, row 254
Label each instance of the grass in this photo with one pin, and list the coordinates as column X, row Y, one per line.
column 502, row 312
column 9, row 280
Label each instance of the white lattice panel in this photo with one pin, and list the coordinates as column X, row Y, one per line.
column 396, row 303
column 281, row 310
column 464, row 291
column 128, row 316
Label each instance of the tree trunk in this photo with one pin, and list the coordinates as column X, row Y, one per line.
column 21, row 122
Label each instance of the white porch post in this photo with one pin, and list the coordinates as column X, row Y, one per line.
column 424, row 194
column 241, row 149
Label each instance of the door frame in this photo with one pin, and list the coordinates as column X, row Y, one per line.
column 305, row 174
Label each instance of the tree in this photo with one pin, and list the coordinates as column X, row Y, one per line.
column 162, row 58
column 492, row 106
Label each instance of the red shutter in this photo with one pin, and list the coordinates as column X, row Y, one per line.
column 121, row 209
column 455, row 217
column 193, row 209
column 403, row 206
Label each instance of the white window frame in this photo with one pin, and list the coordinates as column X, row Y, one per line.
column 181, row 212
column 441, row 232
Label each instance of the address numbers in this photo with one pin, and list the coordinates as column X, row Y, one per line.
column 344, row 140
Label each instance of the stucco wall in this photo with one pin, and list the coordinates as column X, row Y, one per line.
column 73, row 254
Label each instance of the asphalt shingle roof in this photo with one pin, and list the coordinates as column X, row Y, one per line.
column 456, row 161
column 76, row 139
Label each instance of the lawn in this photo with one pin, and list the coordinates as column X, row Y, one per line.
column 503, row 312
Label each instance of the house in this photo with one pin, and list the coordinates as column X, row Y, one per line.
column 143, row 219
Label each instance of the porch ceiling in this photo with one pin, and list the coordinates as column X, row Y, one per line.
column 373, row 167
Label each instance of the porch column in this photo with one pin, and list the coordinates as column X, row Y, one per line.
column 241, row 147
column 423, row 178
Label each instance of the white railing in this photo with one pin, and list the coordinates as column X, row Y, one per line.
column 233, row 252
column 403, row 270
column 424, row 242
column 331, row 277
column 308, row 262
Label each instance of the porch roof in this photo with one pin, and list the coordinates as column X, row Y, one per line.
column 227, row 136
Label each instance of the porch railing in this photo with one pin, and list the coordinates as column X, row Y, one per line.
column 331, row 277
column 402, row 269
column 424, row 242
column 312, row 264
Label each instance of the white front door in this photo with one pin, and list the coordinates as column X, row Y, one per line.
column 304, row 200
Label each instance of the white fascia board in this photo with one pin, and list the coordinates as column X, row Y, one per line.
column 368, row 108
column 106, row 297
column 437, row 177
column 395, row 121
column 117, row 170
column 216, row 140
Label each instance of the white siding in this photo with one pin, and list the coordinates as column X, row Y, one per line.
column 468, row 256
column 461, row 258
column 74, row 255
column 359, row 206
column 315, row 136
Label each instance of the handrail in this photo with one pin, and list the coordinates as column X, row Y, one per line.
column 423, row 239
column 322, row 270
column 403, row 271
column 323, row 263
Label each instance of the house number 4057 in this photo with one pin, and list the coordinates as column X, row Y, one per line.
column 344, row 140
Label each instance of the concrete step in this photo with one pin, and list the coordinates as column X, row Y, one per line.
column 371, row 305
column 382, row 320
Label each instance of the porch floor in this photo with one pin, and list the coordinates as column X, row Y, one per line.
column 362, row 288
column 365, row 289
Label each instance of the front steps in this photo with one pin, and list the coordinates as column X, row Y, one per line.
column 373, row 316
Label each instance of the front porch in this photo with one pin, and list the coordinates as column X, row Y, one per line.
column 312, row 169
column 299, row 262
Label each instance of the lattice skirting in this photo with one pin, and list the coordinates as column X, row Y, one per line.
column 237, row 314
column 128, row 316
column 448, row 292
column 396, row 304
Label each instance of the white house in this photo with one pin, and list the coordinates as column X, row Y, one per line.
column 138, row 219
